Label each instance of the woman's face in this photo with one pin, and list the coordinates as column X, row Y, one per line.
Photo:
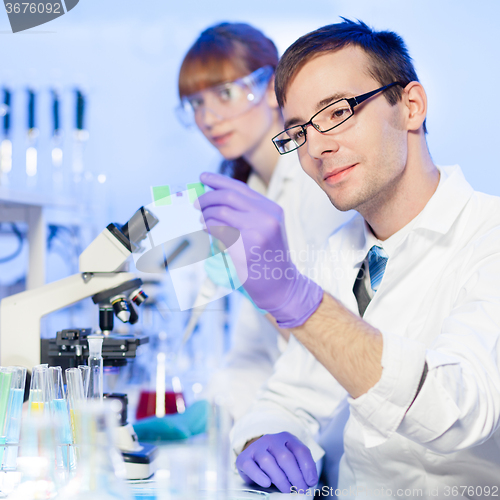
column 241, row 134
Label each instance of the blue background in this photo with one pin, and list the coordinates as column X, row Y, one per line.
column 126, row 55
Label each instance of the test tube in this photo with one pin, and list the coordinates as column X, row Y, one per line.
column 217, row 460
column 85, row 378
column 59, row 410
column 39, row 389
column 101, row 468
column 13, row 420
column 5, row 380
column 96, row 368
column 38, row 411
column 75, row 397
column 36, row 463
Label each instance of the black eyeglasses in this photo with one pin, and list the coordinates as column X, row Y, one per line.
column 326, row 119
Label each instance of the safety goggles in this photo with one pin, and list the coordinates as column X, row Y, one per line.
column 228, row 100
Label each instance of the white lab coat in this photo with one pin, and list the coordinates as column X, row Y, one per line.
column 439, row 302
column 255, row 344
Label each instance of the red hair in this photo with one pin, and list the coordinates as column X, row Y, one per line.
column 223, row 53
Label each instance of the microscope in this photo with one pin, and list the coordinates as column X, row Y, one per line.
column 105, row 278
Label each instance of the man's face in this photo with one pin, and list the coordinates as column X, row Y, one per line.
column 360, row 164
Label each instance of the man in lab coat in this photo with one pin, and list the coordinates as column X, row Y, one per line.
column 404, row 325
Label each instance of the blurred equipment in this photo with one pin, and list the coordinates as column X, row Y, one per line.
column 57, row 139
column 71, row 347
column 139, row 458
column 6, row 144
column 32, row 137
column 100, row 472
column 81, row 136
column 151, row 402
column 103, row 276
column 176, row 426
column 206, row 293
column 12, row 383
column 96, row 368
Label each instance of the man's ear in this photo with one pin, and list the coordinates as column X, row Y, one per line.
column 271, row 94
column 415, row 100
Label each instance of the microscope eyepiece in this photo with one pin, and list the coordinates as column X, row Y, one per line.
column 135, row 230
column 139, row 225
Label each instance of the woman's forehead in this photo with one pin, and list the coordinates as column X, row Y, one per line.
column 202, row 73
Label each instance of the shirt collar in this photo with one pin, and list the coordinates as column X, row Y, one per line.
column 448, row 201
column 438, row 215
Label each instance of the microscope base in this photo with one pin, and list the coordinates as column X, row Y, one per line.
column 141, row 464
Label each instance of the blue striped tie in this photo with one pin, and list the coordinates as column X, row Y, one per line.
column 377, row 260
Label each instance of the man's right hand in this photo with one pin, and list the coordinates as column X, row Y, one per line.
column 272, row 279
column 279, row 459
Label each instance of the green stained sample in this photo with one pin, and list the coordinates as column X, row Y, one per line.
column 195, row 190
column 161, row 196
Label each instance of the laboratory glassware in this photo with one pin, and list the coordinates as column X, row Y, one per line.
column 57, row 143
column 165, row 394
column 32, row 139
column 13, row 418
column 36, row 463
column 217, row 458
column 6, row 144
column 100, row 471
column 85, row 378
column 39, row 390
column 5, row 380
column 96, row 368
column 60, row 412
column 75, row 396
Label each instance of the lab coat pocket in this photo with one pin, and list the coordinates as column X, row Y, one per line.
column 432, row 414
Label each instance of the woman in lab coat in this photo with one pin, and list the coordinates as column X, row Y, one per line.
column 226, row 87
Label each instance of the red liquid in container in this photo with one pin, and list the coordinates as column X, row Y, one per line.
column 147, row 403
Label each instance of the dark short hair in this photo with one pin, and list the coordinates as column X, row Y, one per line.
column 390, row 60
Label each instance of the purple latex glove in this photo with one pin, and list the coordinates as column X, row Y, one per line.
column 280, row 459
column 274, row 282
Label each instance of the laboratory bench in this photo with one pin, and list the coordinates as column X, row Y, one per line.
column 180, row 455
column 183, row 460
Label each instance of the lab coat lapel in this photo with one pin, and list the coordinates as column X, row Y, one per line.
column 286, row 169
column 412, row 261
column 346, row 252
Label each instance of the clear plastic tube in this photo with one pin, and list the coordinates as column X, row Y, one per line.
column 85, row 377
column 36, row 463
column 5, row 380
column 39, row 389
column 100, row 470
column 96, row 368
column 60, row 413
column 75, row 397
column 13, row 420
